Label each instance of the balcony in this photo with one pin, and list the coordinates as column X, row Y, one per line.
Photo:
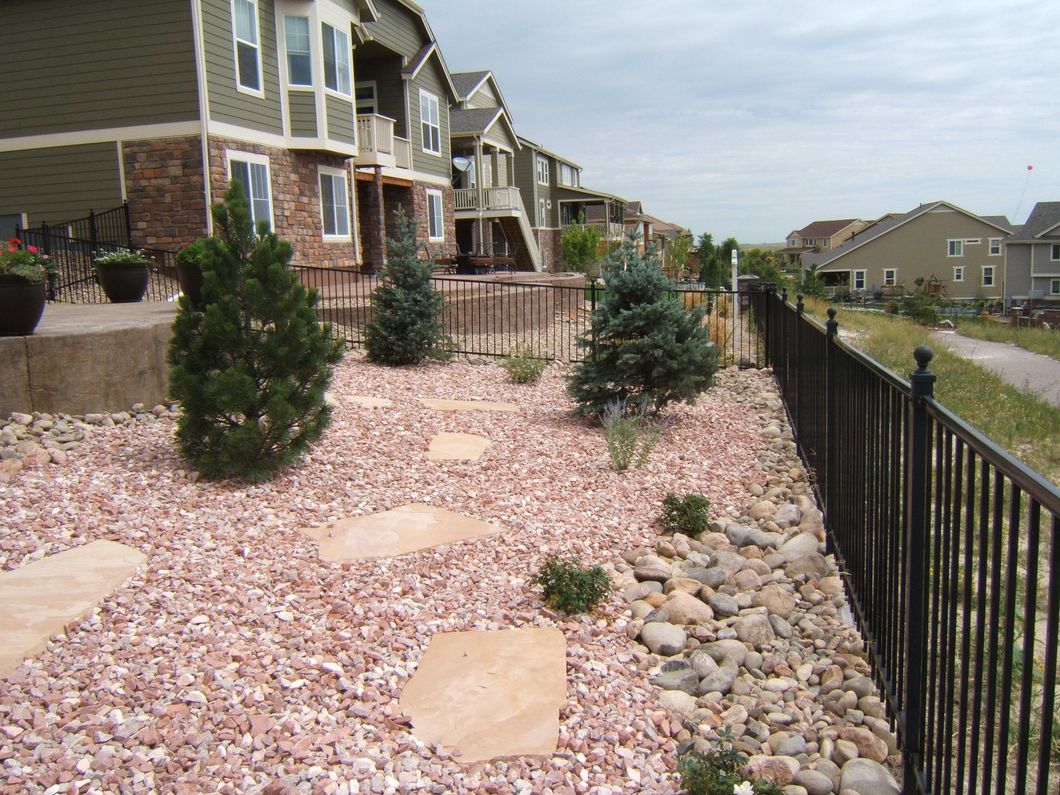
column 378, row 146
column 506, row 198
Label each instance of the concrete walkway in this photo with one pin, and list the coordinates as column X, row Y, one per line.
column 1031, row 372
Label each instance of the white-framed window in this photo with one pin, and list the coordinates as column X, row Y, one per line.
column 430, row 123
column 542, row 170
column 299, row 53
column 334, row 203
column 247, row 45
column 988, row 276
column 365, row 93
column 336, row 44
column 435, row 216
column 1054, row 287
column 1054, row 253
column 995, row 247
column 542, row 213
column 890, row 277
column 958, row 273
column 859, row 280
column 252, row 171
column 793, row 242
column 954, row 248
column 568, row 175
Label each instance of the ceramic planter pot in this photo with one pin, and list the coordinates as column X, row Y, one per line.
column 189, row 276
column 123, row 282
column 21, row 305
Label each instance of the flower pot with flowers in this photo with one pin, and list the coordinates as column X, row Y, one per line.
column 122, row 275
column 24, row 273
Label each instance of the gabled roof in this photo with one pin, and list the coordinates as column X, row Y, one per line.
column 467, row 83
column 539, row 148
column 882, row 227
column 427, row 49
column 478, row 121
column 1044, row 221
column 826, row 228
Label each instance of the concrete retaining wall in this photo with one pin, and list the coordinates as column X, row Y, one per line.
column 88, row 358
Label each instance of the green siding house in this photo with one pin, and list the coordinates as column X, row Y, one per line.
column 162, row 103
column 1032, row 257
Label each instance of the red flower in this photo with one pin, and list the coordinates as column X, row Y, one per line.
column 31, row 249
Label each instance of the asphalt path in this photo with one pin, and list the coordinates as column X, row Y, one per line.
column 1031, row 372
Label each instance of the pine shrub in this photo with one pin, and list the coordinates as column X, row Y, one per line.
column 643, row 346
column 571, row 588
column 250, row 364
column 688, row 514
column 405, row 327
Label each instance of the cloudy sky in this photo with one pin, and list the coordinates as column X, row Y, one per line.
column 756, row 117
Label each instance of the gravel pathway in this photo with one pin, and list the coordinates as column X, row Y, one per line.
column 237, row 659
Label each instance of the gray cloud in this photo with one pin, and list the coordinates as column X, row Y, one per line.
column 750, row 119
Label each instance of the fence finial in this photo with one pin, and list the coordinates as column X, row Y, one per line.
column 799, row 306
column 923, row 356
column 832, row 326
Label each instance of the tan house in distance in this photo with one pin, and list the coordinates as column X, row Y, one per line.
column 819, row 236
column 955, row 250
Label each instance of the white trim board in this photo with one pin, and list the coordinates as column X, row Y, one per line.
column 137, row 132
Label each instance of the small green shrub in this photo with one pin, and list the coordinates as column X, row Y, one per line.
column 522, row 366
column 720, row 772
column 570, row 588
column 688, row 514
column 630, row 436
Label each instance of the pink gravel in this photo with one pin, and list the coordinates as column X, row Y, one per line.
column 236, row 657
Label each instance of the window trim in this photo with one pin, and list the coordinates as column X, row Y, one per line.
column 542, row 213
column 1054, row 287
column 990, row 251
column 236, row 41
column 864, row 278
column 894, row 277
column 337, row 30
column 287, row 53
column 542, row 161
column 993, row 276
column 263, row 160
column 335, row 173
column 958, row 273
column 431, row 194
column 1054, row 252
column 955, row 245
column 424, row 94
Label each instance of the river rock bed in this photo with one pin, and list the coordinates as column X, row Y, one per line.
column 749, row 629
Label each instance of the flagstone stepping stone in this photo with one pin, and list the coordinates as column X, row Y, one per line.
column 457, row 447
column 369, row 402
column 490, row 694
column 395, row 532
column 467, row 405
column 42, row 598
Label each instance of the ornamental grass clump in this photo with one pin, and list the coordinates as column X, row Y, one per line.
column 522, row 366
column 630, row 435
column 571, row 588
column 688, row 513
column 251, row 362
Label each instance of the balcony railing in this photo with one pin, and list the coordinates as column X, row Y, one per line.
column 506, row 198
column 402, row 152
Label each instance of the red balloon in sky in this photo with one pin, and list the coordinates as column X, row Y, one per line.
column 1030, row 168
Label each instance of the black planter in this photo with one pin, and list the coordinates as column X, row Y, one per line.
column 123, row 282
column 189, row 276
column 21, row 305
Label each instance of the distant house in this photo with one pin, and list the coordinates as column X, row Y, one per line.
column 958, row 252
column 1032, row 256
column 330, row 113
column 817, row 237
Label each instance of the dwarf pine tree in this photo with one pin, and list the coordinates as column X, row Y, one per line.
column 405, row 326
column 251, row 362
column 642, row 347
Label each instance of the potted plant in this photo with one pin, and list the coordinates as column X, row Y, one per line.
column 122, row 275
column 189, row 269
column 23, row 274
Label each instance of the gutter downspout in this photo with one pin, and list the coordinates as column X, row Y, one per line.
column 204, row 110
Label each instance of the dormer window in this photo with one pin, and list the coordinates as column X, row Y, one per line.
column 248, row 50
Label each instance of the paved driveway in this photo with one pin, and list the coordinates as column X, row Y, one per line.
column 1032, row 372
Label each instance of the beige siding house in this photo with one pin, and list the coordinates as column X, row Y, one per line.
column 818, row 236
column 938, row 243
column 204, row 91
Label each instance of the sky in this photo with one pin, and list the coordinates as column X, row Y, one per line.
column 753, row 118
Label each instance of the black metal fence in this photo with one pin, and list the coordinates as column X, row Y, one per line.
column 490, row 316
column 950, row 551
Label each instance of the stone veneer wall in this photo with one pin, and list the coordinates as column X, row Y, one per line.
column 163, row 183
column 549, row 241
column 414, row 200
column 295, row 199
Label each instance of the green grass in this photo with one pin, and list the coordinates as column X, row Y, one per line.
column 1022, row 423
column 1038, row 340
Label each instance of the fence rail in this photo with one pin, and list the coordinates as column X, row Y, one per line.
column 949, row 547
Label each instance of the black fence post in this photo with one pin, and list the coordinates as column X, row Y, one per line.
column 799, row 354
column 93, row 236
column 592, row 305
column 830, row 435
column 128, row 223
column 917, row 506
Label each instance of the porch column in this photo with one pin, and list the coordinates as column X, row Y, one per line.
column 377, row 224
